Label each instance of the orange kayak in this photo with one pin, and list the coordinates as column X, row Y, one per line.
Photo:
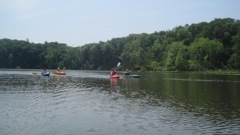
column 59, row 73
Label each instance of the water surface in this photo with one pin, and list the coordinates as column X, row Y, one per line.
column 88, row 102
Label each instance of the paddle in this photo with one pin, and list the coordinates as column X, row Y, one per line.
column 118, row 64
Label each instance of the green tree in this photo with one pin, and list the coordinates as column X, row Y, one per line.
column 95, row 56
column 234, row 61
column 205, row 54
column 109, row 57
column 177, row 57
column 54, row 55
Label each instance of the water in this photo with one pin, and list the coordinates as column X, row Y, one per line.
column 88, row 102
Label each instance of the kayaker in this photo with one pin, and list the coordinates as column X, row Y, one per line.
column 58, row 70
column 44, row 70
column 113, row 72
column 127, row 72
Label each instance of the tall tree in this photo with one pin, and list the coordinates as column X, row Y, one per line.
column 205, row 54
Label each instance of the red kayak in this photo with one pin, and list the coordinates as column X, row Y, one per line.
column 115, row 76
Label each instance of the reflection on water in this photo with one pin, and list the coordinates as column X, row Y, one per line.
column 89, row 102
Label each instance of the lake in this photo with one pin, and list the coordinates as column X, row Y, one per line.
column 89, row 103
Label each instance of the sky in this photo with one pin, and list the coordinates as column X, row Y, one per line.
column 79, row 22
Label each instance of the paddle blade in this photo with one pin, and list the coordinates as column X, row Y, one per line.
column 119, row 63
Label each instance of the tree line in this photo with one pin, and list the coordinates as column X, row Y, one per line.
column 201, row 46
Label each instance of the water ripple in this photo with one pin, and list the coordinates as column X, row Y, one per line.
column 90, row 103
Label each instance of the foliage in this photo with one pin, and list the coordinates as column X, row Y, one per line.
column 202, row 46
column 177, row 57
column 205, row 53
column 234, row 61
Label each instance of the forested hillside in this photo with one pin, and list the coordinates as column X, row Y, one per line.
column 201, row 46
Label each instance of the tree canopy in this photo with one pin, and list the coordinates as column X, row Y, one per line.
column 200, row 46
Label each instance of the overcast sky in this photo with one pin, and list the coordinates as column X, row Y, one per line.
column 78, row 22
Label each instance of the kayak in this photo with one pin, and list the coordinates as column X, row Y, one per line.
column 115, row 76
column 59, row 73
column 45, row 73
column 131, row 76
